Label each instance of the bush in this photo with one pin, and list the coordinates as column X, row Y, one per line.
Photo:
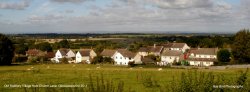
column 176, row 63
column 131, row 64
column 184, row 62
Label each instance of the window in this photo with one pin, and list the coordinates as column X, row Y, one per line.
column 207, row 62
column 120, row 57
column 116, row 57
column 129, row 58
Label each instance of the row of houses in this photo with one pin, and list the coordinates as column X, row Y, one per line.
column 168, row 53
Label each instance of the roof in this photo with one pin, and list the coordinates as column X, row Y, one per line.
column 178, row 45
column 202, row 59
column 126, row 53
column 174, row 45
column 85, row 52
column 148, row 60
column 143, row 49
column 108, row 52
column 151, row 49
column 50, row 54
column 64, row 51
column 205, row 51
column 171, row 53
column 167, row 45
column 155, row 48
column 33, row 52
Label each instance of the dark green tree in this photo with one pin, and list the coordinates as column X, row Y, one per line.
column 241, row 46
column 45, row 46
column 21, row 48
column 223, row 55
column 97, row 59
column 6, row 50
column 64, row 44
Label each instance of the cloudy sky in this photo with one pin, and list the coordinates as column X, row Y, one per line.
column 123, row 16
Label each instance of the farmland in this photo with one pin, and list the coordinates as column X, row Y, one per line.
column 121, row 78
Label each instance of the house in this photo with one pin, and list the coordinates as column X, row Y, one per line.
column 150, row 50
column 34, row 52
column 138, row 59
column 143, row 51
column 108, row 53
column 50, row 55
column 176, row 46
column 123, row 57
column 64, row 53
column 171, row 56
column 202, row 56
column 85, row 55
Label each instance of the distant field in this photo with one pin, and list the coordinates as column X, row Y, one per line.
column 135, row 79
column 93, row 39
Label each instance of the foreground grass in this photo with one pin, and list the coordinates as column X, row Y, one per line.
column 115, row 78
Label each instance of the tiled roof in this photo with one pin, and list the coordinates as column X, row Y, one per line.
column 155, row 48
column 50, row 54
column 171, row 53
column 151, row 49
column 85, row 52
column 202, row 59
column 143, row 49
column 107, row 52
column 178, row 45
column 174, row 45
column 205, row 51
column 33, row 52
column 148, row 60
column 126, row 53
column 64, row 51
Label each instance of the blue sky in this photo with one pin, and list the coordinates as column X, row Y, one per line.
column 118, row 16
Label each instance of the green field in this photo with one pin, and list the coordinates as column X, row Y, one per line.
column 120, row 78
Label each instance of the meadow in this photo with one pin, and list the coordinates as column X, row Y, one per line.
column 110, row 78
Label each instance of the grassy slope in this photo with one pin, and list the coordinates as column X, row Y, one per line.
column 79, row 74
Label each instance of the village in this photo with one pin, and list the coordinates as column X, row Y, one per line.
column 166, row 54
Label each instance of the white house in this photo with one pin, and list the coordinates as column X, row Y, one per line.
column 169, row 56
column 123, row 57
column 85, row 55
column 176, row 46
column 202, row 56
column 63, row 53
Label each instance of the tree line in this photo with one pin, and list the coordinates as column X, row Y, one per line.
column 238, row 45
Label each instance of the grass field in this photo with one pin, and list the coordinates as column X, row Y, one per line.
column 120, row 78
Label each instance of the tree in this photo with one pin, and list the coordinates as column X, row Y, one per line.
column 97, row 59
column 6, row 50
column 45, row 46
column 241, row 46
column 64, row 44
column 223, row 55
column 21, row 49
column 64, row 60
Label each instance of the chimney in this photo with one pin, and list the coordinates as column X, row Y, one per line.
column 154, row 45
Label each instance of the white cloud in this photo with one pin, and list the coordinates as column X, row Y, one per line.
column 70, row 1
column 16, row 6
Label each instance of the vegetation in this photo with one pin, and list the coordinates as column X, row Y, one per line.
column 6, row 50
column 121, row 79
column 241, row 47
column 223, row 55
column 102, row 60
column 238, row 43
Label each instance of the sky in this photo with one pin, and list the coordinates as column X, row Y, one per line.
column 123, row 16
